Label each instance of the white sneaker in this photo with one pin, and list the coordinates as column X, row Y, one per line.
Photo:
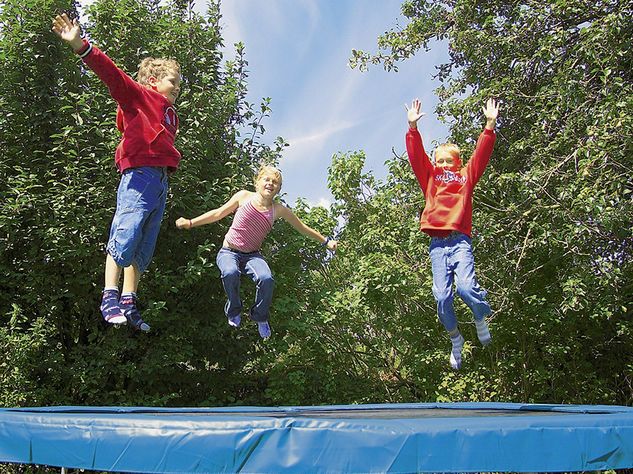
column 482, row 332
column 456, row 352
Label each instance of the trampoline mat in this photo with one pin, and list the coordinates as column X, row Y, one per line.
column 423, row 437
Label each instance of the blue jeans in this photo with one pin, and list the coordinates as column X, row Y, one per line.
column 140, row 204
column 232, row 265
column 452, row 259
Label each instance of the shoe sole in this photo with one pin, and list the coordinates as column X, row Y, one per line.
column 116, row 320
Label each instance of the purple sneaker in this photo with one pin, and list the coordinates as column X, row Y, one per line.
column 264, row 329
column 132, row 314
column 110, row 307
column 235, row 321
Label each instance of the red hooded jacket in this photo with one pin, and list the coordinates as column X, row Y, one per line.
column 448, row 193
column 147, row 120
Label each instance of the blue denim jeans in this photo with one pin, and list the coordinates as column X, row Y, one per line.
column 140, row 205
column 232, row 265
column 452, row 260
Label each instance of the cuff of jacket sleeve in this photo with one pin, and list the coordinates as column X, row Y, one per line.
column 85, row 49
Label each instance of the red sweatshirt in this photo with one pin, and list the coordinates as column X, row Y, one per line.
column 448, row 194
column 147, row 120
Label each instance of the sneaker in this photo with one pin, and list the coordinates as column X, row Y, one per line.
column 456, row 352
column 482, row 332
column 264, row 329
column 110, row 309
column 132, row 314
column 235, row 321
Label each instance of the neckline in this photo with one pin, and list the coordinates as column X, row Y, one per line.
column 268, row 214
column 272, row 206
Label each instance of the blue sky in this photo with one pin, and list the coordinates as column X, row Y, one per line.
column 298, row 53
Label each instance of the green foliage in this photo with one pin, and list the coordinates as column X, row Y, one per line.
column 553, row 212
column 552, row 221
column 58, row 188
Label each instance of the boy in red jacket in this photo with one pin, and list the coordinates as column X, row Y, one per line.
column 447, row 219
column 146, row 154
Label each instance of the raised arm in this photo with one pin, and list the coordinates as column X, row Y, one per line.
column 420, row 162
column 122, row 87
column 290, row 217
column 214, row 215
column 483, row 150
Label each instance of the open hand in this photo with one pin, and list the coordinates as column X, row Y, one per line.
column 413, row 113
column 491, row 110
column 68, row 30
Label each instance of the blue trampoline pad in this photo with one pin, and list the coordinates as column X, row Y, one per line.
column 399, row 438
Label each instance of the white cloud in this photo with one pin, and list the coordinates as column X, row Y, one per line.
column 314, row 140
column 310, row 18
column 320, row 202
column 231, row 26
column 298, row 53
column 262, row 26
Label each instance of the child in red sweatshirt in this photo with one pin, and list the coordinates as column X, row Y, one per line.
column 146, row 154
column 447, row 219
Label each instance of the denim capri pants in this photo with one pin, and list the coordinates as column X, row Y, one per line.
column 140, row 206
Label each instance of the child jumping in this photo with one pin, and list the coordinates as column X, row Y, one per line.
column 255, row 214
column 447, row 219
column 145, row 156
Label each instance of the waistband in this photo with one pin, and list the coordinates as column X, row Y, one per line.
column 163, row 171
column 452, row 235
column 239, row 251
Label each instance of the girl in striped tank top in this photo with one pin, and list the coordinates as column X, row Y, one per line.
column 255, row 214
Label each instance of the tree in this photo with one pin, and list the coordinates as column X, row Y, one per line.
column 552, row 221
column 554, row 210
column 58, row 194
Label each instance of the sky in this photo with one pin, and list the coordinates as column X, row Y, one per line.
column 298, row 52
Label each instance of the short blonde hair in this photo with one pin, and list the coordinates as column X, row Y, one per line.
column 157, row 67
column 450, row 149
column 267, row 169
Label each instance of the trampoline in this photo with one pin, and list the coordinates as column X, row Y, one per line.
column 399, row 438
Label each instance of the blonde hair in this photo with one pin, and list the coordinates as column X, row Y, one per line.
column 450, row 149
column 157, row 67
column 267, row 169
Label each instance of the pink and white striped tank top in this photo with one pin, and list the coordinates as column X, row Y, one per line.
column 249, row 228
